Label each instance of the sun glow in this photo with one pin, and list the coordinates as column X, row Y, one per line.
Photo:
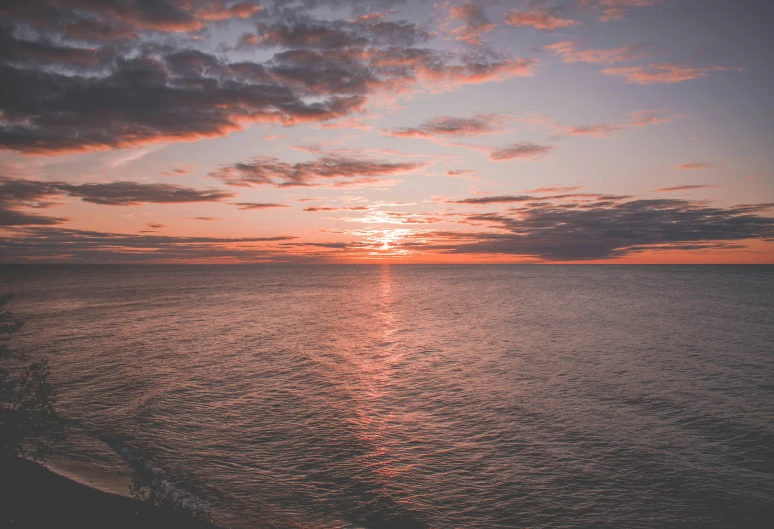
column 388, row 242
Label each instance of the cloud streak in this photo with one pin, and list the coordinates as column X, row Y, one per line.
column 605, row 229
column 520, row 151
column 328, row 168
column 641, row 118
column 258, row 205
column 686, row 188
column 449, row 126
column 571, row 227
column 17, row 194
column 33, row 243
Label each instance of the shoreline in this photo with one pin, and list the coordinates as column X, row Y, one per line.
column 33, row 496
column 94, row 478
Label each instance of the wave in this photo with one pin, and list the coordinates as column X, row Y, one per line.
column 150, row 475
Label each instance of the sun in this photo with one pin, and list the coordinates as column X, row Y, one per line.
column 388, row 242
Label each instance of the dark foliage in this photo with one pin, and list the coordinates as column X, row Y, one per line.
column 29, row 425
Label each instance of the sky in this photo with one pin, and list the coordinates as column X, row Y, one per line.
column 385, row 131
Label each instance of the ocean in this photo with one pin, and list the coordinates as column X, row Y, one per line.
column 389, row 397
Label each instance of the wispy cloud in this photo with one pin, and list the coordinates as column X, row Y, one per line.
column 178, row 171
column 554, row 189
column 641, row 118
column 16, row 194
column 258, row 205
column 314, row 209
column 510, row 199
column 695, row 166
column 332, row 168
column 686, row 187
column 449, row 126
column 94, row 246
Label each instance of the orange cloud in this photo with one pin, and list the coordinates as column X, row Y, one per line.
column 217, row 11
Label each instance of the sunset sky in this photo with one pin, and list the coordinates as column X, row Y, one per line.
column 325, row 131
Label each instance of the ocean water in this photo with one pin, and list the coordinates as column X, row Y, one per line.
column 389, row 397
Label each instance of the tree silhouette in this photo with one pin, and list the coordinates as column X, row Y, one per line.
column 29, row 426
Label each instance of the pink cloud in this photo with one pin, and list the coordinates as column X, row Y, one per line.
column 664, row 72
column 475, row 23
column 685, row 188
column 569, row 53
column 175, row 172
column 476, row 72
column 695, row 166
column 641, row 118
column 616, row 9
column 314, row 209
column 367, row 181
column 467, row 174
column 537, row 18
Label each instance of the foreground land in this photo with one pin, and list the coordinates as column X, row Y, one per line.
column 32, row 496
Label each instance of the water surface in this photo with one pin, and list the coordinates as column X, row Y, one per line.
column 420, row 396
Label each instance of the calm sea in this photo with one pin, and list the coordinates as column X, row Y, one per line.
column 418, row 396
